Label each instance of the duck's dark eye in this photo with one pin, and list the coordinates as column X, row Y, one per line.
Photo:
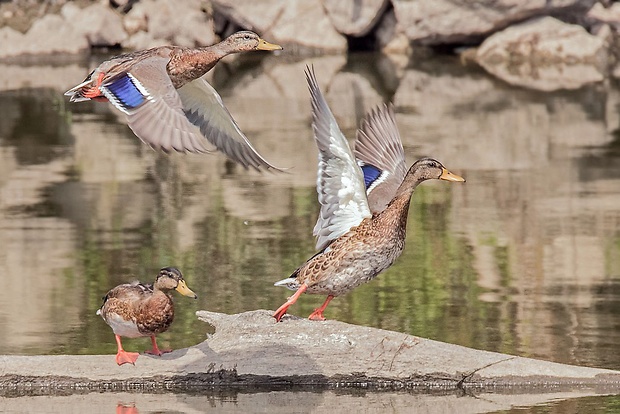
column 247, row 37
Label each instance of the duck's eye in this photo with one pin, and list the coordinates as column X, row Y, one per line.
column 247, row 37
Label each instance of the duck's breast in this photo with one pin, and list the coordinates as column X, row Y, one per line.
column 155, row 315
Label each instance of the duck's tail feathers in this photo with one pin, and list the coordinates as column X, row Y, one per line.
column 290, row 283
column 76, row 93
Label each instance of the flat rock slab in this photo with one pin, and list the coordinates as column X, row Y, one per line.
column 251, row 349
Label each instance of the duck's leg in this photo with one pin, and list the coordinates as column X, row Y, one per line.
column 317, row 315
column 122, row 356
column 94, row 92
column 282, row 309
column 156, row 350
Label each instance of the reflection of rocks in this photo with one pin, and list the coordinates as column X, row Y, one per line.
column 60, row 78
column 297, row 401
column 442, row 114
column 545, row 54
column 35, row 252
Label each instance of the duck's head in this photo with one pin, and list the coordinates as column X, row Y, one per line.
column 170, row 278
column 429, row 168
column 246, row 40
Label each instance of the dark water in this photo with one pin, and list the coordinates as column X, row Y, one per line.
column 524, row 258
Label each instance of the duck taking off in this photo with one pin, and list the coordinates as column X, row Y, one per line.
column 135, row 310
column 364, row 201
column 168, row 104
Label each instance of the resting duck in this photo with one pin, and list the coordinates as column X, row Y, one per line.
column 167, row 103
column 135, row 310
column 364, row 203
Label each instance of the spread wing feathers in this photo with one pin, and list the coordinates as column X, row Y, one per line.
column 340, row 182
column 379, row 152
column 153, row 107
column 204, row 108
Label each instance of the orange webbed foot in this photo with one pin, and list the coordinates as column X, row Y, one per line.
column 279, row 313
column 317, row 315
column 124, row 357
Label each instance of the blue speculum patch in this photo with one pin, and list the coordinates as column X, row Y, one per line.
column 124, row 89
column 371, row 173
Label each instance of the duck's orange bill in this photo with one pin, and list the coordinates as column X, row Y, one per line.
column 265, row 45
column 448, row 176
column 184, row 290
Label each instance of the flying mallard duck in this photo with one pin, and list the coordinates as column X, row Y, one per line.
column 134, row 310
column 167, row 103
column 364, row 204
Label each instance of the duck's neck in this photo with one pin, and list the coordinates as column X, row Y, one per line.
column 187, row 64
column 397, row 211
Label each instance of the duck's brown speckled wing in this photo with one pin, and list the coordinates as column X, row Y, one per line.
column 340, row 182
column 204, row 108
column 123, row 300
column 379, row 152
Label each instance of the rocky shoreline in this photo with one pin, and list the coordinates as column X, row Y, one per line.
column 545, row 45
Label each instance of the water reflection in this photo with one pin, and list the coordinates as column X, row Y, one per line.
column 524, row 258
column 316, row 401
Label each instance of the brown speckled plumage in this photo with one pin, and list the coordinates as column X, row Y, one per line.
column 358, row 239
column 137, row 310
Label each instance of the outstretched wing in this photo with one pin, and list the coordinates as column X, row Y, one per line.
column 204, row 108
column 153, row 107
column 379, row 152
column 340, row 182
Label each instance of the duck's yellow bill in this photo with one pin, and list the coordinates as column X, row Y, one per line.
column 448, row 176
column 265, row 45
column 184, row 290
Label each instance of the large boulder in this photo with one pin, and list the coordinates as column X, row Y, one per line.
column 354, row 17
column 436, row 22
column 98, row 23
column 545, row 54
column 72, row 31
column 182, row 23
column 298, row 23
column 49, row 35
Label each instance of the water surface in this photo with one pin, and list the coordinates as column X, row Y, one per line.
column 524, row 258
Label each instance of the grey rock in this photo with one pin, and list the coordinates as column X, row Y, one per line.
column 353, row 17
column 169, row 22
column 280, row 21
column 545, row 54
column 250, row 348
column 101, row 25
column 599, row 14
column 436, row 22
column 49, row 35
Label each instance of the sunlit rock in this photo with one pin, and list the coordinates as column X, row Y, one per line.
column 279, row 21
column 101, row 25
column 168, row 22
column 545, row 54
column 48, row 35
column 436, row 22
column 355, row 18
column 608, row 15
